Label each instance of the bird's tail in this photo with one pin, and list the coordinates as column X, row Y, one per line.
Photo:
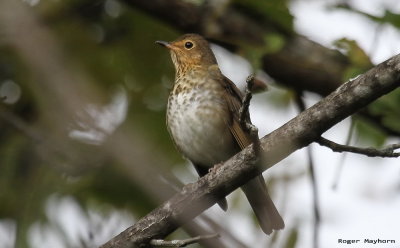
column 268, row 216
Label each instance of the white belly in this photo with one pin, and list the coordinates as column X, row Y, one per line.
column 199, row 129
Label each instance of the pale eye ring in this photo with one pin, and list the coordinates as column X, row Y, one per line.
column 188, row 45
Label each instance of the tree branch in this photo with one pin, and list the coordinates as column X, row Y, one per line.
column 341, row 162
column 181, row 243
column 299, row 132
column 387, row 152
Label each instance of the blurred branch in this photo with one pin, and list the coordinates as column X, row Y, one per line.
column 218, row 228
column 387, row 152
column 343, row 157
column 311, row 167
column 314, row 67
column 307, row 64
column 181, row 243
column 191, row 17
column 304, row 129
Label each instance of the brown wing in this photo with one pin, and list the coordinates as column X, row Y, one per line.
column 234, row 100
column 256, row 190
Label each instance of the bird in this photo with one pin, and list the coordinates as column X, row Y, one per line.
column 203, row 120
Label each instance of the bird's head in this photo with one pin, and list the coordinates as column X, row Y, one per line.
column 190, row 51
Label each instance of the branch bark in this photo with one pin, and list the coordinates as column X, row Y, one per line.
column 181, row 243
column 386, row 152
column 296, row 134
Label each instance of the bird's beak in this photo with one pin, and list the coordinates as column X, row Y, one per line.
column 164, row 44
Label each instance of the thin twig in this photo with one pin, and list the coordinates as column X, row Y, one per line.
column 317, row 215
column 244, row 115
column 182, row 242
column 317, row 220
column 342, row 159
column 387, row 152
column 244, row 109
column 233, row 240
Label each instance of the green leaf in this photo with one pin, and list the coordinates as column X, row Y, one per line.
column 359, row 60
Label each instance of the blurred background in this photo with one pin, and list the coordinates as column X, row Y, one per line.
column 84, row 150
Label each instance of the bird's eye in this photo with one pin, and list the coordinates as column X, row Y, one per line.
column 188, row 45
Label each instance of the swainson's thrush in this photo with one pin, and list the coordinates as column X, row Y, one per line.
column 203, row 120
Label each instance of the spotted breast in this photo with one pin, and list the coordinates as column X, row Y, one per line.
column 196, row 119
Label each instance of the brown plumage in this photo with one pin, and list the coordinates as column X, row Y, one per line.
column 203, row 120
